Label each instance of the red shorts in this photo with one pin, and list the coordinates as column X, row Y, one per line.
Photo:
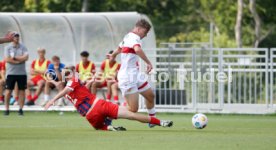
column 104, row 84
column 36, row 79
column 101, row 110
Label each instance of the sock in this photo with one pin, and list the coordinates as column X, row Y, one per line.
column 116, row 98
column 107, row 121
column 35, row 98
column 46, row 97
column 155, row 121
column 16, row 98
column 151, row 112
column 29, row 97
column 108, row 96
column 2, row 98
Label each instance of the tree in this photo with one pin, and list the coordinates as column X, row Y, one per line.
column 257, row 19
column 84, row 6
column 238, row 26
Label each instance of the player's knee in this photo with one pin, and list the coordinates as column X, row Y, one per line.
column 133, row 109
column 29, row 82
column 8, row 92
column 94, row 85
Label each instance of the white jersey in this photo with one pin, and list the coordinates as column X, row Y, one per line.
column 128, row 75
column 129, row 59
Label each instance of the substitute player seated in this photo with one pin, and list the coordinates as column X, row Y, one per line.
column 53, row 80
column 38, row 69
column 109, row 70
column 96, row 110
column 86, row 68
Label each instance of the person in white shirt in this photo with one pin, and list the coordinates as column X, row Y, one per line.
column 129, row 77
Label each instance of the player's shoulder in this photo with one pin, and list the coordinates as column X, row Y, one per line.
column 62, row 65
column 73, row 81
column 51, row 65
column 22, row 46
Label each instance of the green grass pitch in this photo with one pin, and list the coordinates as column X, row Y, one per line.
column 51, row 131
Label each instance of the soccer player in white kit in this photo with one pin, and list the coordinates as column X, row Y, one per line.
column 130, row 81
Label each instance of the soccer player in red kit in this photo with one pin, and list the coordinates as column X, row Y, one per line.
column 96, row 110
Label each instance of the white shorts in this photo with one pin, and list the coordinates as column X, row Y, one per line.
column 132, row 83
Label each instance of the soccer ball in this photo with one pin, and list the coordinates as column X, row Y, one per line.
column 199, row 121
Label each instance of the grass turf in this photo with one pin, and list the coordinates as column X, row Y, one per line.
column 50, row 130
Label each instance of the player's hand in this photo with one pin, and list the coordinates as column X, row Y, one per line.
column 149, row 68
column 9, row 36
column 56, row 67
column 48, row 105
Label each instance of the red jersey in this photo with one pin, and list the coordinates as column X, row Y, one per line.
column 80, row 96
column 3, row 66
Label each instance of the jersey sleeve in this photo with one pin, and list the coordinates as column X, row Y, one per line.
column 121, row 44
column 93, row 68
column 137, row 42
column 3, row 66
column 77, row 67
column 134, row 41
column 33, row 64
column 72, row 84
column 103, row 65
column 48, row 63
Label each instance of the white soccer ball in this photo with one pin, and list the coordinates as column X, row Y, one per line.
column 199, row 121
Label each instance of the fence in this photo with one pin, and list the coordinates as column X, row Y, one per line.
column 228, row 80
column 214, row 80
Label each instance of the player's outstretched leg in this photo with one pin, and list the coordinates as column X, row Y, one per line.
column 124, row 113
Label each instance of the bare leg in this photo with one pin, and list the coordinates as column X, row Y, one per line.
column 21, row 98
column 149, row 96
column 16, row 91
column 108, row 93
column 114, row 91
column 59, row 85
column 125, row 114
column 94, row 87
column 29, row 85
column 40, row 86
column 7, row 98
column 132, row 101
column 47, row 88
column 2, row 84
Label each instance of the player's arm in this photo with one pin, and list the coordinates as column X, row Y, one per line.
column 4, row 40
column 11, row 60
column 22, row 58
column 58, row 73
column 32, row 70
column 8, row 37
column 58, row 96
column 143, row 56
column 115, row 53
column 3, row 74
